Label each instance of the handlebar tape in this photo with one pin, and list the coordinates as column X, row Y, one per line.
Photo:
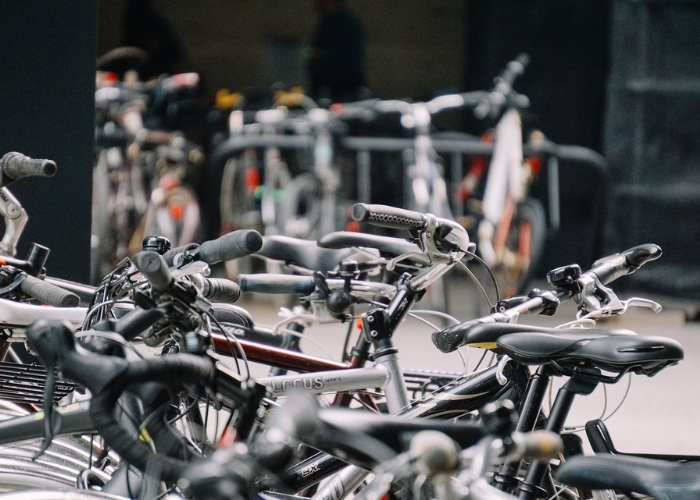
column 385, row 216
column 17, row 166
column 276, row 283
column 179, row 368
column 614, row 266
column 154, row 268
column 107, row 377
column 221, row 290
column 48, row 293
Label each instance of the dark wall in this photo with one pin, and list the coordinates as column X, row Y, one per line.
column 47, row 82
column 568, row 44
column 652, row 138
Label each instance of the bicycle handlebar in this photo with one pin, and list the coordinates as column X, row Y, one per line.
column 276, row 283
column 48, row 293
column 606, row 270
column 386, row 216
column 16, row 166
column 230, row 246
column 221, row 290
column 106, row 377
column 399, row 218
column 620, row 264
column 154, row 269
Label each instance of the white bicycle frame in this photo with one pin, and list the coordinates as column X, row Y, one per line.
column 19, row 314
column 505, row 181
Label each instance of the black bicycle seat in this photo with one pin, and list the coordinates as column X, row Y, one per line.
column 616, row 353
column 485, row 335
column 302, row 253
column 656, row 478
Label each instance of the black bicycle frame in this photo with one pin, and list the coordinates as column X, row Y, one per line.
column 464, row 395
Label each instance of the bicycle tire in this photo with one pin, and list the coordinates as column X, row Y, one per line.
column 176, row 217
column 237, row 204
column 525, row 245
column 301, row 213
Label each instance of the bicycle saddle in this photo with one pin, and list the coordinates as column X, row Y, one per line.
column 302, row 253
column 485, row 335
column 229, row 313
column 656, row 478
column 642, row 355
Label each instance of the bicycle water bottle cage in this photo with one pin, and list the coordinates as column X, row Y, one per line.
column 436, row 249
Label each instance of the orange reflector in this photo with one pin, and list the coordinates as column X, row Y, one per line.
column 176, row 211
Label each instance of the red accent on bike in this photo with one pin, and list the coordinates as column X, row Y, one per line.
column 353, row 226
column 535, row 164
column 2, row 262
column 525, row 240
column 176, row 211
column 252, row 179
column 168, row 182
column 228, row 437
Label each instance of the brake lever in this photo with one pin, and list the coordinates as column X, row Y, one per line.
column 641, row 302
column 599, row 300
column 430, row 255
column 195, row 267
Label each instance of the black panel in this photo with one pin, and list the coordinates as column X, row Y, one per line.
column 47, row 81
column 568, row 44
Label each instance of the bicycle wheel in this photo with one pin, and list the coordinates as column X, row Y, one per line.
column 522, row 247
column 301, row 212
column 237, row 203
column 173, row 213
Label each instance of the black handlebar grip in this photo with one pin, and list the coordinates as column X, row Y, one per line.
column 637, row 256
column 230, row 246
column 221, row 290
column 620, row 264
column 276, row 283
column 452, row 338
column 48, row 293
column 385, row 216
column 16, row 166
column 154, row 268
column 137, row 321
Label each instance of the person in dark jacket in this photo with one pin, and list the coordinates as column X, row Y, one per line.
column 145, row 27
column 337, row 64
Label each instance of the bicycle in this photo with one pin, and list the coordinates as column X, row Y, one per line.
column 139, row 174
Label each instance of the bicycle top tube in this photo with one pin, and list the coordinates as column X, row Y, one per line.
column 21, row 314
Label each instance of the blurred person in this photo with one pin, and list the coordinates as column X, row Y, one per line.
column 145, row 27
column 337, row 63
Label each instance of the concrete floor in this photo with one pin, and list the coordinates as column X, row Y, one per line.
column 659, row 415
